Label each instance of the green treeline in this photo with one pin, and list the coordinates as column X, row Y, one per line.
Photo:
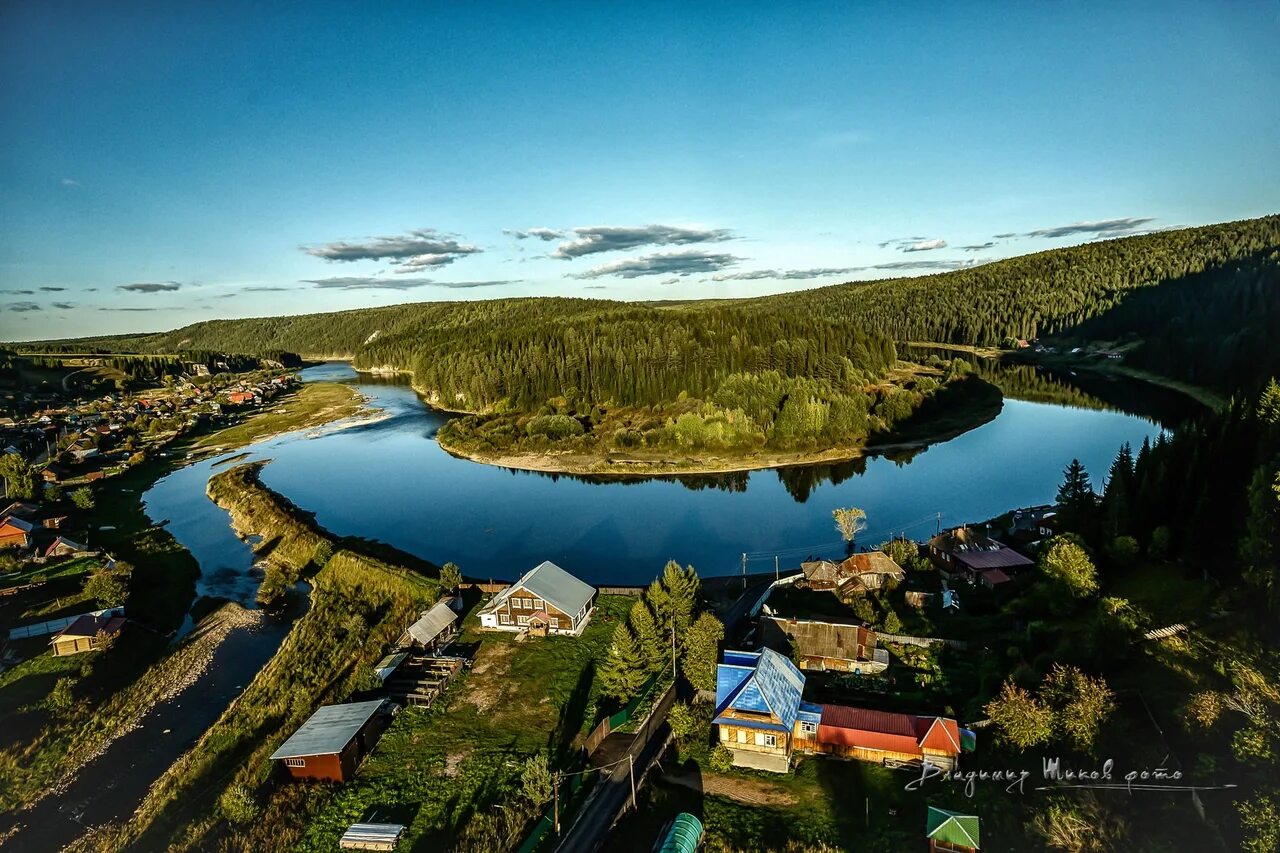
column 517, row 354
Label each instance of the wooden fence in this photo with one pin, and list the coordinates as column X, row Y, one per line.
column 921, row 641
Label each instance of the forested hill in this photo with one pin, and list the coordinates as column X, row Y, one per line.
column 520, row 352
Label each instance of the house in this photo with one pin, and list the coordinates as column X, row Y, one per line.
column 547, row 600
column 825, row 646
column 434, row 630
column 881, row 736
column 1030, row 526
column 239, row 398
column 333, row 741
column 860, row 572
column 951, row 832
column 54, row 473
column 16, row 532
column 86, row 633
column 821, row 574
column 762, row 718
column 64, row 547
column 966, row 555
column 871, row 570
column 759, row 710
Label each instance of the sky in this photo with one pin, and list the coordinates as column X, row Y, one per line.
column 166, row 163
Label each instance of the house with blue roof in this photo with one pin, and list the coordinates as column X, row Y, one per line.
column 762, row 718
column 761, row 715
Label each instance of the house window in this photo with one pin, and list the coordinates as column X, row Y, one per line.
column 742, row 735
column 535, row 603
column 808, row 728
column 522, row 620
column 555, row 621
column 504, row 618
column 771, row 741
column 296, row 762
column 724, row 734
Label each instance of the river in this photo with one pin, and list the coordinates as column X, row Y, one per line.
column 389, row 480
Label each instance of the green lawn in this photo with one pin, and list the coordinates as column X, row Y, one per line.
column 35, row 573
column 435, row 768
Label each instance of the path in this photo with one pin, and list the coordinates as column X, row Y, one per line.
column 613, row 792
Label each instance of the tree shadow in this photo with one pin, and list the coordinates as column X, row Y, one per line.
column 572, row 717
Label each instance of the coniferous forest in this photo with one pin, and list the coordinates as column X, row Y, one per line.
column 798, row 370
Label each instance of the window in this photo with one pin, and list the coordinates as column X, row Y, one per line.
column 296, row 762
column 555, row 621
column 535, row 603
column 504, row 618
column 522, row 620
column 771, row 740
column 724, row 733
column 808, row 728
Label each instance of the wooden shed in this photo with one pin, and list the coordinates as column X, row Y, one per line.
column 331, row 744
column 86, row 633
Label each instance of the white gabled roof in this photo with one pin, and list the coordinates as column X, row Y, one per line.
column 553, row 585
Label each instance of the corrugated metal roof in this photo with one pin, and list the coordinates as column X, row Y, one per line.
column 844, row 717
column 772, row 686
column 433, row 623
column 819, row 639
column 552, row 584
column 388, row 665
column 328, row 730
column 952, row 827
column 1000, row 558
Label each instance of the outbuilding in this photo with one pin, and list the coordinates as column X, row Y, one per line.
column 331, row 744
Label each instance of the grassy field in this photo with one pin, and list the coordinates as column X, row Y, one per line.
column 35, row 573
column 435, row 769
column 314, row 404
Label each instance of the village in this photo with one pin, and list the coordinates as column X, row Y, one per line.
column 667, row 717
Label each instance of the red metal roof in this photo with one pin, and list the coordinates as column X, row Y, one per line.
column 940, row 733
column 885, row 722
column 906, row 733
column 994, row 576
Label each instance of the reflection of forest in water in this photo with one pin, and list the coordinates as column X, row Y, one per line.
column 1081, row 389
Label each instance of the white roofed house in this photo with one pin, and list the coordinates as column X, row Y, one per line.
column 546, row 600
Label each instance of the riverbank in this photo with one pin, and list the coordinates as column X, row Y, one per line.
column 315, row 404
column 952, row 411
column 360, row 603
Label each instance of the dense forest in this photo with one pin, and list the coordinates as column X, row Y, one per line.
column 517, row 355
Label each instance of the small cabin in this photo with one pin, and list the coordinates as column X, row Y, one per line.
column 546, row 600
column 435, row 629
column 331, row 744
column 87, row 633
column 825, row 646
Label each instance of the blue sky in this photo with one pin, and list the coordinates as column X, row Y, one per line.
column 165, row 163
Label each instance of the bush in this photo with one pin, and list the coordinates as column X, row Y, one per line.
column 721, row 759
column 83, row 498
column 238, row 805
column 62, row 696
column 553, row 427
column 109, row 588
column 1124, row 548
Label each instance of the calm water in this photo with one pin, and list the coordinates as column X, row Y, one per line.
column 390, row 480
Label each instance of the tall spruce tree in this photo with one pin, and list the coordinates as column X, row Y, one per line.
column 1076, row 499
column 622, row 672
column 653, row 646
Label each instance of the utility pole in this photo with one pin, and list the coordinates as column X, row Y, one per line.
column 673, row 649
column 744, row 571
column 776, row 574
column 555, row 782
column 938, row 527
column 631, row 768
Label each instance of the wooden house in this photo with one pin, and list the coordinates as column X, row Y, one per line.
column 963, row 554
column 759, row 709
column 331, row 744
column 825, row 646
column 547, row 600
column 762, row 718
column 871, row 570
column 881, row 736
column 86, row 633
column 16, row 532
column 951, row 832
column 860, row 572
column 64, row 547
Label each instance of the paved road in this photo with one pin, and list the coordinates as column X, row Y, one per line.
column 613, row 792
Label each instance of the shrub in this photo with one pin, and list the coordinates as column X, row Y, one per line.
column 238, row 805
column 721, row 759
column 553, row 427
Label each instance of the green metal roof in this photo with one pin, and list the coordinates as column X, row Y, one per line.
column 684, row 836
column 952, row 827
